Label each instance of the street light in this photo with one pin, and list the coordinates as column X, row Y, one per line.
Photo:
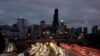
column 50, row 37
column 43, row 32
column 29, row 34
column 66, row 32
column 61, row 33
column 47, row 32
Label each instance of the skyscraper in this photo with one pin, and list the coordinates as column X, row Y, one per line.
column 94, row 29
column 15, row 31
column 42, row 27
column 55, row 23
column 62, row 27
column 72, row 30
column 85, row 30
column 78, row 31
column 42, row 24
column 35, row 31
column 22, row 26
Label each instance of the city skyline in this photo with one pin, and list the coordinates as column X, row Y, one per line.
column 49, row 27
column 74, row 13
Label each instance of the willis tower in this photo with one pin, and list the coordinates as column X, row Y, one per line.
column 55, row 24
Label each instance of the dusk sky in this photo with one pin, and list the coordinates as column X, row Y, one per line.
column 74, row 12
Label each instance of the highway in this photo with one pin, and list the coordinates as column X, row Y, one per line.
column 51, row 49
column 46, row 49
column 80, row 50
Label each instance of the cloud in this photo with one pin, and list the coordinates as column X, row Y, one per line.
column 71, row 11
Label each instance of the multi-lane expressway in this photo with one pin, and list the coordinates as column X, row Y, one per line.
column 46, row 49
column 51, row 49
column 80, row 50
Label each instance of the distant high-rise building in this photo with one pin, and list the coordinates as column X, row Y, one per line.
column 85, row 30
column 22, row 26
column 95, row 29
column 62, row 23
column 29, row 32
column 35, row 31
column 62, row 27
column 15, row 31
column 15, row 27
column 78, row 31
column 42, row 24
column 55, row 21
column 72, row 30
column 42, row 27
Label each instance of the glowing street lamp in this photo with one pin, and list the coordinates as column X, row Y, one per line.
column 43, row 32
column 66, row 32
column 47, row 32
column 50, row 37
column 61, row 33
column 62, row 20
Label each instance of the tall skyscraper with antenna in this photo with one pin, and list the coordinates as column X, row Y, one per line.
column 55, row 23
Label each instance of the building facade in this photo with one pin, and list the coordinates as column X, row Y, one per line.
column 55, row 23
column 22, row 26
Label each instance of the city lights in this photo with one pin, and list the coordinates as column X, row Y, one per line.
column 61, row 37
